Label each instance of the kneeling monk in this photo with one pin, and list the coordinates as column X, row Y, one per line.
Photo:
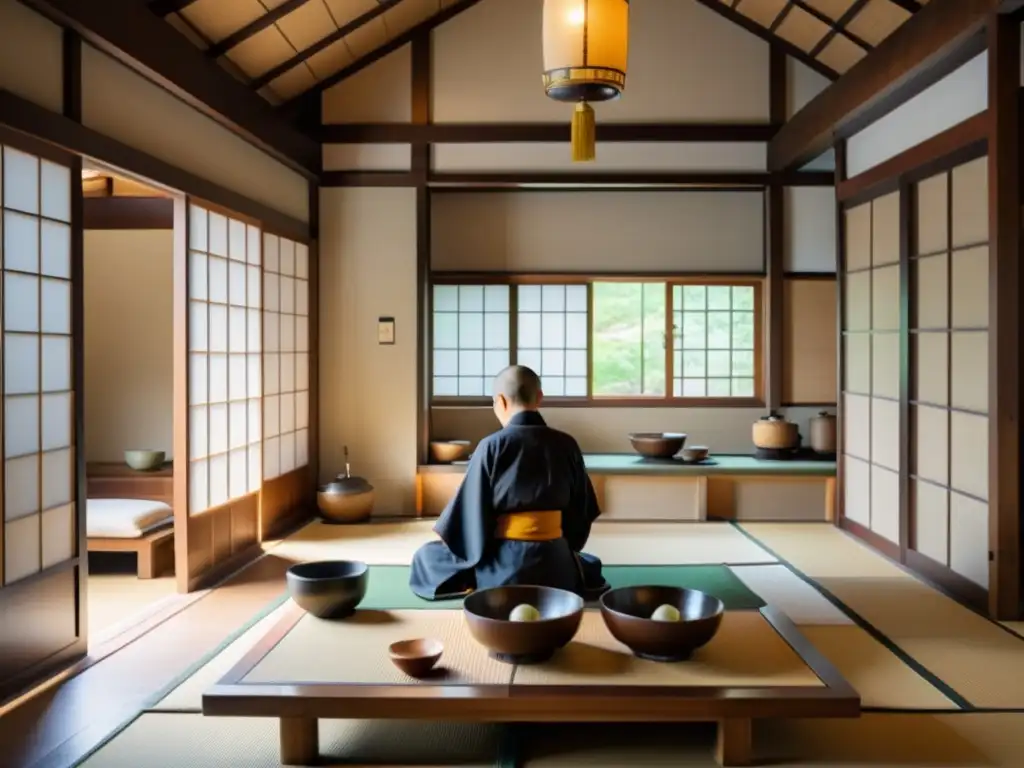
column 523, row 513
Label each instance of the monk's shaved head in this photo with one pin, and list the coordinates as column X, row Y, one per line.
column 519, row 385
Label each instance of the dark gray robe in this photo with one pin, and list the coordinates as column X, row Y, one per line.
column 527, row 466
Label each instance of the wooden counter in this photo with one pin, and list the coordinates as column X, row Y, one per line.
column 729, row 487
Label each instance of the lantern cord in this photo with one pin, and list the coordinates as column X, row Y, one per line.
column 583, row 133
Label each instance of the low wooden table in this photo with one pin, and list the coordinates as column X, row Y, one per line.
column 304, row 669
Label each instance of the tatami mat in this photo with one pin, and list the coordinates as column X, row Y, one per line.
column 673, row 544
column 189, row 695
column 977, row 658
column 821, row 549
column 779, row 587
column 166, row 740
column 594, row 657
column 872, row 741
column 881, row 678
column 355, row 650
column 614, row 543
column 1015, row 626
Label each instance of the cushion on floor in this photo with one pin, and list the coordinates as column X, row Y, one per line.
column 125, row 518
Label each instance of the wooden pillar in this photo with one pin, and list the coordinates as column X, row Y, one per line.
column 1004, row 316
column 840, row 176
column 776, row 240
column 421, row 161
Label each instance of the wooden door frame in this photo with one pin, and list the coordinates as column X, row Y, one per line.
column 995, row 132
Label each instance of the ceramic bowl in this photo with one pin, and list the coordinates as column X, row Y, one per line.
column 627, row 614
column 328, row 589
column 416, row 657
column 346, row 500
column 447, row 451
column 657, row 445
column 694, row 453
column 144, row 461
column 523, row 642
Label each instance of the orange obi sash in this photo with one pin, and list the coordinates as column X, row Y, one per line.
column 530, row 526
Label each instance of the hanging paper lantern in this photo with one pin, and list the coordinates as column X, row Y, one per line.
column 586, row 44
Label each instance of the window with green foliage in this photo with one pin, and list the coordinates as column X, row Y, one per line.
column 608, row 341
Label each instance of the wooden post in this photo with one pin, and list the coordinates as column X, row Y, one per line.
column 735, row 742
column 1004, row 316
column 300, row 741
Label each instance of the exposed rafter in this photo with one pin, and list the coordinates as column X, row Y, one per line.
column 167, row 7
column 130, row 32
column 393, row 45
column 338, row 34
column 939, row 38
column 756, row 29
column 235, row 39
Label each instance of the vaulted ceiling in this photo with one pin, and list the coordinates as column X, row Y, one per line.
column 285, row 48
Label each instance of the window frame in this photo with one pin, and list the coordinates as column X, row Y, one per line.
column 668, row 400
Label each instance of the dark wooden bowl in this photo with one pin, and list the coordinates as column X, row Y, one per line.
column 627, row 614
column 657, row 445
column 523, row 642
column 416, row 657
column 328, row 589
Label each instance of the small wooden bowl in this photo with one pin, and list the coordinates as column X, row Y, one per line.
column 657, row 445
column 416, row 657
column 627, row 614
column 447, row 451
column 695, row 453
column 523, row 642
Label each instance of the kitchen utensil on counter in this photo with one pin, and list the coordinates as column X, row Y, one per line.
column 774, row 433
column 448, row 451
column 346, row 499
column 823, row 433
column 694, row 453
column 657, row 445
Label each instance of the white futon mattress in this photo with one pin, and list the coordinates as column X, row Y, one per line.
column 125, row 518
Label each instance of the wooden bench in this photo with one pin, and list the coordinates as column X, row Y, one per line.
column 154, row 551
column 109, row 480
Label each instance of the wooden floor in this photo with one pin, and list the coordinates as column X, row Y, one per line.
column 61, row 725
column 116, row 599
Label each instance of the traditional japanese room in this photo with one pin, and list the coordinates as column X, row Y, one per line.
column 128, row 250
column 266, row 266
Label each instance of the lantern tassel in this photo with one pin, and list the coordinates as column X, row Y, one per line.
column 583, row 133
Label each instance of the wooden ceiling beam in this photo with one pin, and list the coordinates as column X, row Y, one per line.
column 133, row 35
column 840, row 25
column 939, row 38
column 756, row 29
column 340, row 33
column 238, row 37
column 834, row 28
column 163, row 8
column 489, row 133
column 424, row 27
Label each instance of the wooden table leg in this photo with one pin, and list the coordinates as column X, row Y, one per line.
column 300, row 741
column 734, row 745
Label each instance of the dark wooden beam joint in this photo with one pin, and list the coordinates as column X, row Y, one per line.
column 128, row 213
column 1005, row 289
column 424, row 27
column 131, row 33
column 941, row 37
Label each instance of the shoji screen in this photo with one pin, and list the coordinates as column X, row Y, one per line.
column 871, row 390
column 38, row 484
column 286, row 378
column 224, row 386
column 949, row 371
